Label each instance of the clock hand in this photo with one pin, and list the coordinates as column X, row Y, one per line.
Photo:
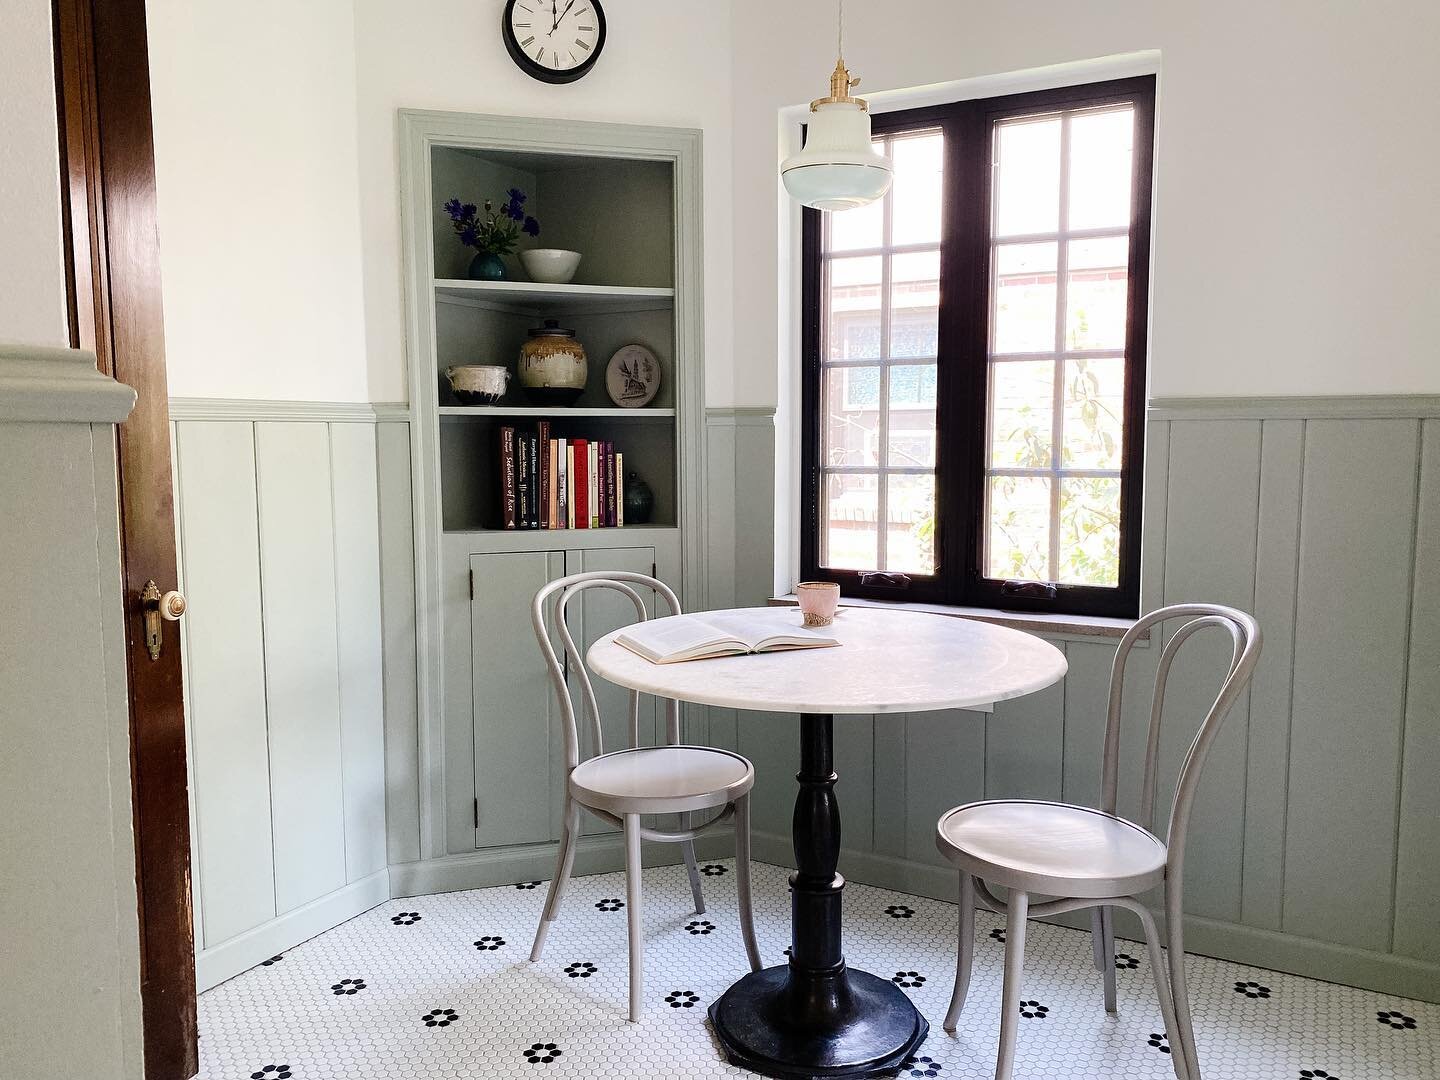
column 563, row 14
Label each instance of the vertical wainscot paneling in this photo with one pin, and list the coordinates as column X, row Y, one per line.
column 357, row 607
column 225, row 677
column 944, row 767
column 297, row 559
column 1352, row 636
column 1417, row 871
column 1024, row 741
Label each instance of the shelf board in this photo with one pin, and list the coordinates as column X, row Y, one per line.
column 533, row 297
column 553, row 413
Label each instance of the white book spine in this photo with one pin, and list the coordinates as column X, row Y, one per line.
column 570, row 486
column 619, row 490
column 562, row 475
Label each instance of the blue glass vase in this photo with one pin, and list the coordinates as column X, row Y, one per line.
column 487, row 266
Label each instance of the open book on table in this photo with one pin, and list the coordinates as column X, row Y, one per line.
column 713, row 633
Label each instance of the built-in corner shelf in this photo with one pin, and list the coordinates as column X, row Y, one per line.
column 536, row 298
column 551, row 413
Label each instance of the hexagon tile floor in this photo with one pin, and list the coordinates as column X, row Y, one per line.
column 440, row 986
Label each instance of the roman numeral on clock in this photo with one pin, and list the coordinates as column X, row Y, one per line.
column 582, row 44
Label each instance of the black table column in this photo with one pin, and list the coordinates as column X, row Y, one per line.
column 815, row 1017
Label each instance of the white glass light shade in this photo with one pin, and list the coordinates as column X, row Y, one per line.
column 839, row 169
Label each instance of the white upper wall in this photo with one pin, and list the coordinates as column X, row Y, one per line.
column 32, row 267
column 257, row 178
column 664, row 63
column 1296, row 234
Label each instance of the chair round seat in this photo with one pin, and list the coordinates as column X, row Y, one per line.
column 1052, row 848
column 661, row 779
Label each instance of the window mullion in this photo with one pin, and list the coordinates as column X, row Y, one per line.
column 882, row 451
column 1062, row 303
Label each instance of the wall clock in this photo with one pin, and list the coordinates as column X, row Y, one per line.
column 555, row 41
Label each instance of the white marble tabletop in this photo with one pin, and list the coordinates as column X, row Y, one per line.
column 887, row 662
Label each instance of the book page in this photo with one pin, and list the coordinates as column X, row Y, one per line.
column 768, row 627
column 682, row 638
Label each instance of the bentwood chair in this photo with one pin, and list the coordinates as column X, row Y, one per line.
column 620, row 786
column 1087, row 858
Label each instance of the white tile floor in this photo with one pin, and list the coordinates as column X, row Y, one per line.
column 440, row 986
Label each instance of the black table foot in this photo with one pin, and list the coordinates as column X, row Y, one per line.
column 781, row 1024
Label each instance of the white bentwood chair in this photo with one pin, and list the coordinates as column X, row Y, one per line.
column 620, row 786
column 1095, row 858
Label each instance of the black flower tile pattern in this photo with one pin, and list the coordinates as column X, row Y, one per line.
column 501, row 1004
column 1033, row 1010
column 1125, row 962
column 908, row 978
column 405, row 918
column 273, row 960
column 582, row 970
column 900, row 911
column 272, row 1072
column 997, row 933
column 610, row 903
column 440, row 1017
column 347, row 987
column 542, row 1053
column 714, row 869
column 489, row 943
column 1317, row 1074
column 923, row 1065
column 527, row 884
column 1252, row 989
column 1397, row 1020
column 700, row 927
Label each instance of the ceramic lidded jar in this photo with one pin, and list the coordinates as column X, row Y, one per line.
column 552, row 368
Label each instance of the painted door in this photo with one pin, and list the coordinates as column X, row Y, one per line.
column 516, row 719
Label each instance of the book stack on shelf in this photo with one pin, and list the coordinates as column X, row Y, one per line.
column 549, row 483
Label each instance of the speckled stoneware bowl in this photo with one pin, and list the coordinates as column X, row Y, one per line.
column 478, row 384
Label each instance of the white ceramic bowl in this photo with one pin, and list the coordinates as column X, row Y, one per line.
column 553, row 266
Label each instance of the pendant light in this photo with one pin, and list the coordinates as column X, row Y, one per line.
column 839, row 168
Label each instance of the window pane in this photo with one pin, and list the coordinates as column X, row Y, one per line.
column 852, row 416
column 1024, row 298
column 915, row 196
column 1096, row 294
column 856, row 229
column 915, row 304
column 911, row 440
column 1100, row 167
column 1090, row 531
column 1018, row 537
column 1022, row 407
column 1027, row 179
column 851, row 539
column 1094, row 413
column 910, row 524
column 852, row 330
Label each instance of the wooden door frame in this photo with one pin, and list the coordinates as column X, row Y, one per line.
column 112, row 270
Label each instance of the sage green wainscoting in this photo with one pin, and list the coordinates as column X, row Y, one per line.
column 279, row 529
column 1315, row 840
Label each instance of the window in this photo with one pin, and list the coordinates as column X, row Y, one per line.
column 974, row 358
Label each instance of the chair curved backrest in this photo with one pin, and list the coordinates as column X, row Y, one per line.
column 1245, row 640
column 568, row 588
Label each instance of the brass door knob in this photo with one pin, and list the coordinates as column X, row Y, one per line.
column 172, row 605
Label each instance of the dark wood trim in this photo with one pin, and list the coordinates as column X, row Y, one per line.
column 963, row 348
column 114, row 297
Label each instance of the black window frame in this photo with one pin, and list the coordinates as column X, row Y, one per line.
column 962, row 370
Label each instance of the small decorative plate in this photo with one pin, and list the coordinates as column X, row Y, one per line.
column 632, row 377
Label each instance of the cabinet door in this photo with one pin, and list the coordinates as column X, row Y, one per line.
column 516, row 724
column 600, row 612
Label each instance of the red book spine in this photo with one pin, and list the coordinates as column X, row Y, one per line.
column 582, row 484
column 544, row 475
column 507, row 476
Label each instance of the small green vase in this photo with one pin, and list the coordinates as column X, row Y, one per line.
column 487, row 266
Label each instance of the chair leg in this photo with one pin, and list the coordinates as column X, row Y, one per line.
column 1018, row 907
column 691, row 868
column 633, row 905
column 965, row 953
column 1179, row 990
column 742, row 880
column 1102, row 936
column 564, row 862
column 1179, row 1059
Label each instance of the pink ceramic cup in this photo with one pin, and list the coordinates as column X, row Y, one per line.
column 818, row 601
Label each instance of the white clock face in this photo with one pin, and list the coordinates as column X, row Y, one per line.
column 559, row 35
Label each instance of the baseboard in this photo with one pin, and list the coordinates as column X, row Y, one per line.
column 1381, row 972
column 241, row 953
column 600, row 854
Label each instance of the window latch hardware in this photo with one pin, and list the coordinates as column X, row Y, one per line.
column 1032, row 590
column 880, row 579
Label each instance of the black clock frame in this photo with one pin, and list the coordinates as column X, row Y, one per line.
column 540, row 71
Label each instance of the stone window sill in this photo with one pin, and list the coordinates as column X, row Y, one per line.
column 1062, row 627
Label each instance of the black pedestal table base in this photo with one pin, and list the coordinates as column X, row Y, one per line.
column 814, row 1017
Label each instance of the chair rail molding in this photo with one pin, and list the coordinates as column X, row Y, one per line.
column 247, row 409
column 40, row 383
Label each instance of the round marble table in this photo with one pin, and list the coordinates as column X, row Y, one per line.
column 815, row 1016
